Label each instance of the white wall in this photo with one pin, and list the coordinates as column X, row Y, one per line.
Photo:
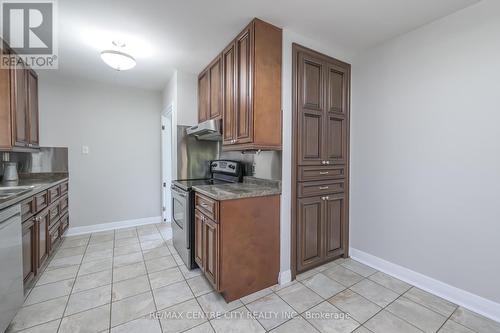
column 290, row 37
column 426, row 151
column 120, row 178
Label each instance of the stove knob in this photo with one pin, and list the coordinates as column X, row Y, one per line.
column 232, row 167
column 214, row 165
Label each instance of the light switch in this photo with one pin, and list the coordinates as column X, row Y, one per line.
column 85, row 150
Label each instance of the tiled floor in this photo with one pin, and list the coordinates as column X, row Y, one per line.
column 114, row 281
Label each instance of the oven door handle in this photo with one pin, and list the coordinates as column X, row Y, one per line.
column 178, row 192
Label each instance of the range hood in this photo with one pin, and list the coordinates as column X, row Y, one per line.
column 208, row 130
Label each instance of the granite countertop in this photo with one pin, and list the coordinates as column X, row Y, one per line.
column 41, row 182
column 250, row 187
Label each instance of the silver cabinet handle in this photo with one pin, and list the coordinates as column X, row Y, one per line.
column 323, row 162
column 324, row 173
column 323, row 187
column 327, row 162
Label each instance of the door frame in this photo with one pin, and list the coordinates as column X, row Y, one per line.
column 166, row 177
column 296, row 48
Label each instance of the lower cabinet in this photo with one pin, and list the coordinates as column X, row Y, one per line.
column 237, row 243
column 211, row 250
column 198, row 238
column 42, row 228
column 319, row 230
column 206, row 247
column 29, row 251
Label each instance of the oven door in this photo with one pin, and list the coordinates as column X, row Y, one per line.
column 180, row 219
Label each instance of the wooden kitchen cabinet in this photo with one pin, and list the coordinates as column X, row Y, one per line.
column 319, row 229
column 228, row 94
column 42, row 221
column 256, row 115
column 198, row 239
column 42, row 229
column 18, row 106
column 29, row 251
column 238, row 250
column 243, row 86
column 210, row 91
column 211, row 251
column 33, row 121
column 321, row 165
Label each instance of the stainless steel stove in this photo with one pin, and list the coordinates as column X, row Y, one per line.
column 222, row 171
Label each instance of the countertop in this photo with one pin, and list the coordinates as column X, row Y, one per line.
column 41, row 182
column 250, row 187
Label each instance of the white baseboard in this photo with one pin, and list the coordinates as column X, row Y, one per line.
column 285, row 277
column 455, row 295
column 72, row 231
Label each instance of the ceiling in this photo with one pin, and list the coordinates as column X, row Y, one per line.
column 186, row 34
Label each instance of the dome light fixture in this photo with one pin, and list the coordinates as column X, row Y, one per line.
column 118, row 60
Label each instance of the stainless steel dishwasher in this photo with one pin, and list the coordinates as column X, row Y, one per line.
column 11, row 265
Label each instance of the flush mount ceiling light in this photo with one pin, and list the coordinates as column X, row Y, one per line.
column 118, row 60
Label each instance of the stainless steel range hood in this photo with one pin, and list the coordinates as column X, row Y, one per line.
column 208, row 130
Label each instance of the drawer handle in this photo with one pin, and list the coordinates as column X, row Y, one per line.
column 204, row 205
column 323, row 172
column 323, row 187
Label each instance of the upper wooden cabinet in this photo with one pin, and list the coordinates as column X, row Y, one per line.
column 18, row 106
column 249, row 100
column 210, row 91
column 323, row 97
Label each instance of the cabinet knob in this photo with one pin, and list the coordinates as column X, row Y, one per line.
column 325, row 198
column 323, row 162
column 327, row 162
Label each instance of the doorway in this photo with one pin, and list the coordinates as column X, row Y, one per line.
column 166, row 162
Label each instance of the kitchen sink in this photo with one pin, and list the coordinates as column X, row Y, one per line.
column 11, row 191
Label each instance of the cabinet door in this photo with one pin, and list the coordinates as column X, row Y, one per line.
column 203, row 96
column 311, row 106
column 20, row 105
column 33, row 108
column 309, row 232
column 198, row 239
column 42, row 221
column 29, row 250
column 5, row 113
column 333, row 221
column 228, row 107
column 335, row 138
column 215, row 72
column 211, row 252
column 244, row 79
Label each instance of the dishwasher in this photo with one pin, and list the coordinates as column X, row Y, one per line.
column 11, row 265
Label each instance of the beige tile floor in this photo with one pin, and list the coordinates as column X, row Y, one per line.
column 114, row 281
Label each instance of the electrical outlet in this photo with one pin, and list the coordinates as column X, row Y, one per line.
column 85, row 150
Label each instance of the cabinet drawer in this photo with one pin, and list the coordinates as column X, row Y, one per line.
column 41, row 201
column 312, row 173
column 309, row 189
column 207, row 206
column 28, row 208
column 54, row 194
column 54, row 237
column 64, row 224
column 53, row 214
column 63, row 188
column 63, row 204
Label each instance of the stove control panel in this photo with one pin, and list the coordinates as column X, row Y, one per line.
column 224, row 166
